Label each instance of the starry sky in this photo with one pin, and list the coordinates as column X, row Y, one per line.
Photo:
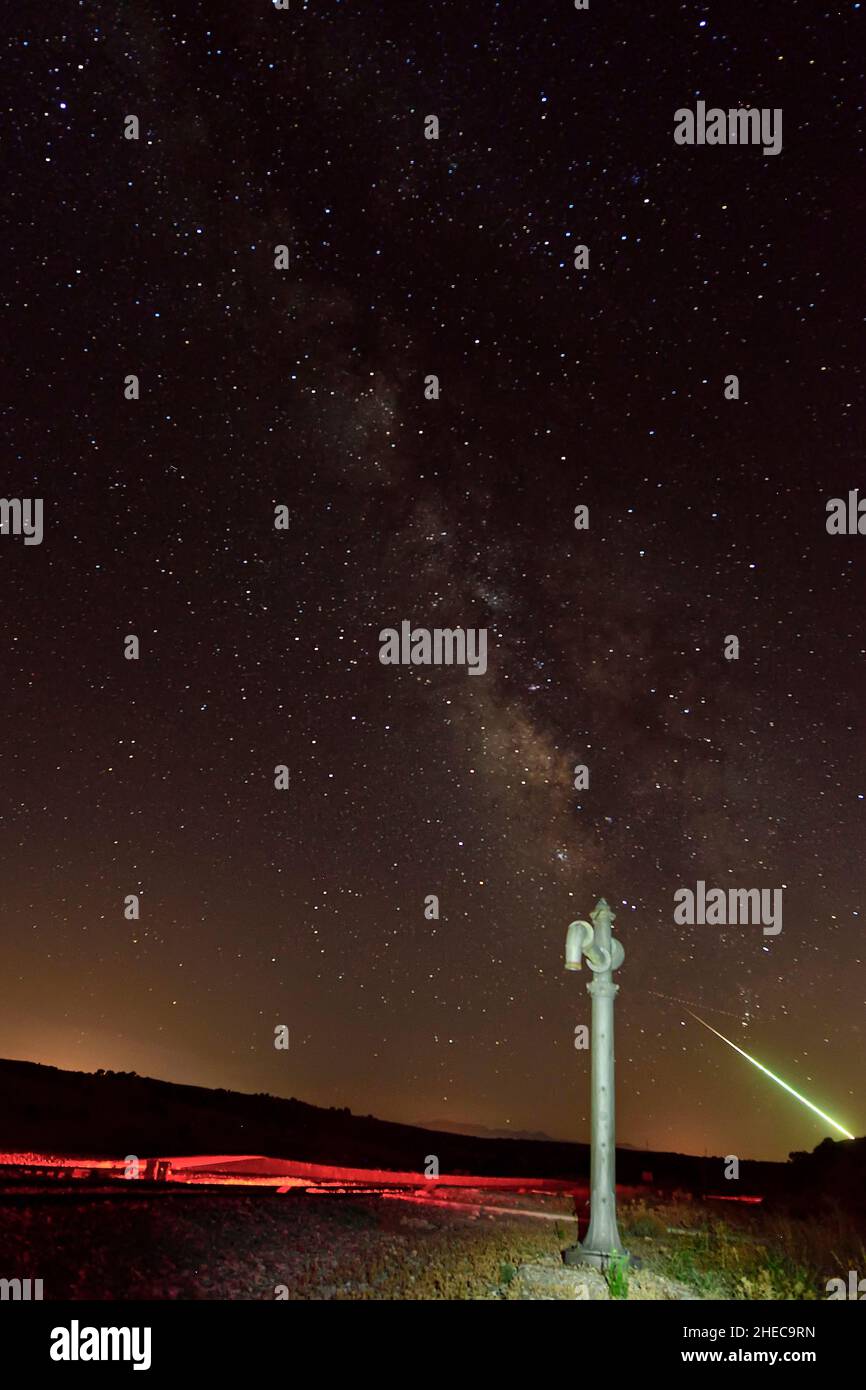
column 305, row 387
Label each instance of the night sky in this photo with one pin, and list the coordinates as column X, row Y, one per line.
column 559, row 388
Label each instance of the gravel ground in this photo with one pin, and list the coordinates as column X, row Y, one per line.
column 270, row 1246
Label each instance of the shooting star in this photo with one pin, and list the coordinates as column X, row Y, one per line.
column 778, row 1080
column 711, row 1008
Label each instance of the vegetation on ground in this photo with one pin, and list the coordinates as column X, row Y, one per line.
column 743, row 1252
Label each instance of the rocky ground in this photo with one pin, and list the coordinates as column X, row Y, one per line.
column 272, row 1246
column 548, row 1278
column 257, row 1245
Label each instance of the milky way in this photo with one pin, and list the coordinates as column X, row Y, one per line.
column 559, row 388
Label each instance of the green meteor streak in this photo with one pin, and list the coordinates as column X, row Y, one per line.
column 778, row 1080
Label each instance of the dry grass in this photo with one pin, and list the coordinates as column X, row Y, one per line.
column 242, row 1246
column 744, row 1252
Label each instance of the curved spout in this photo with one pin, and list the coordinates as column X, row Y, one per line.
column 582, row 939
column 578, row 938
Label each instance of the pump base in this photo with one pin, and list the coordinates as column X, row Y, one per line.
column 577, row 1255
